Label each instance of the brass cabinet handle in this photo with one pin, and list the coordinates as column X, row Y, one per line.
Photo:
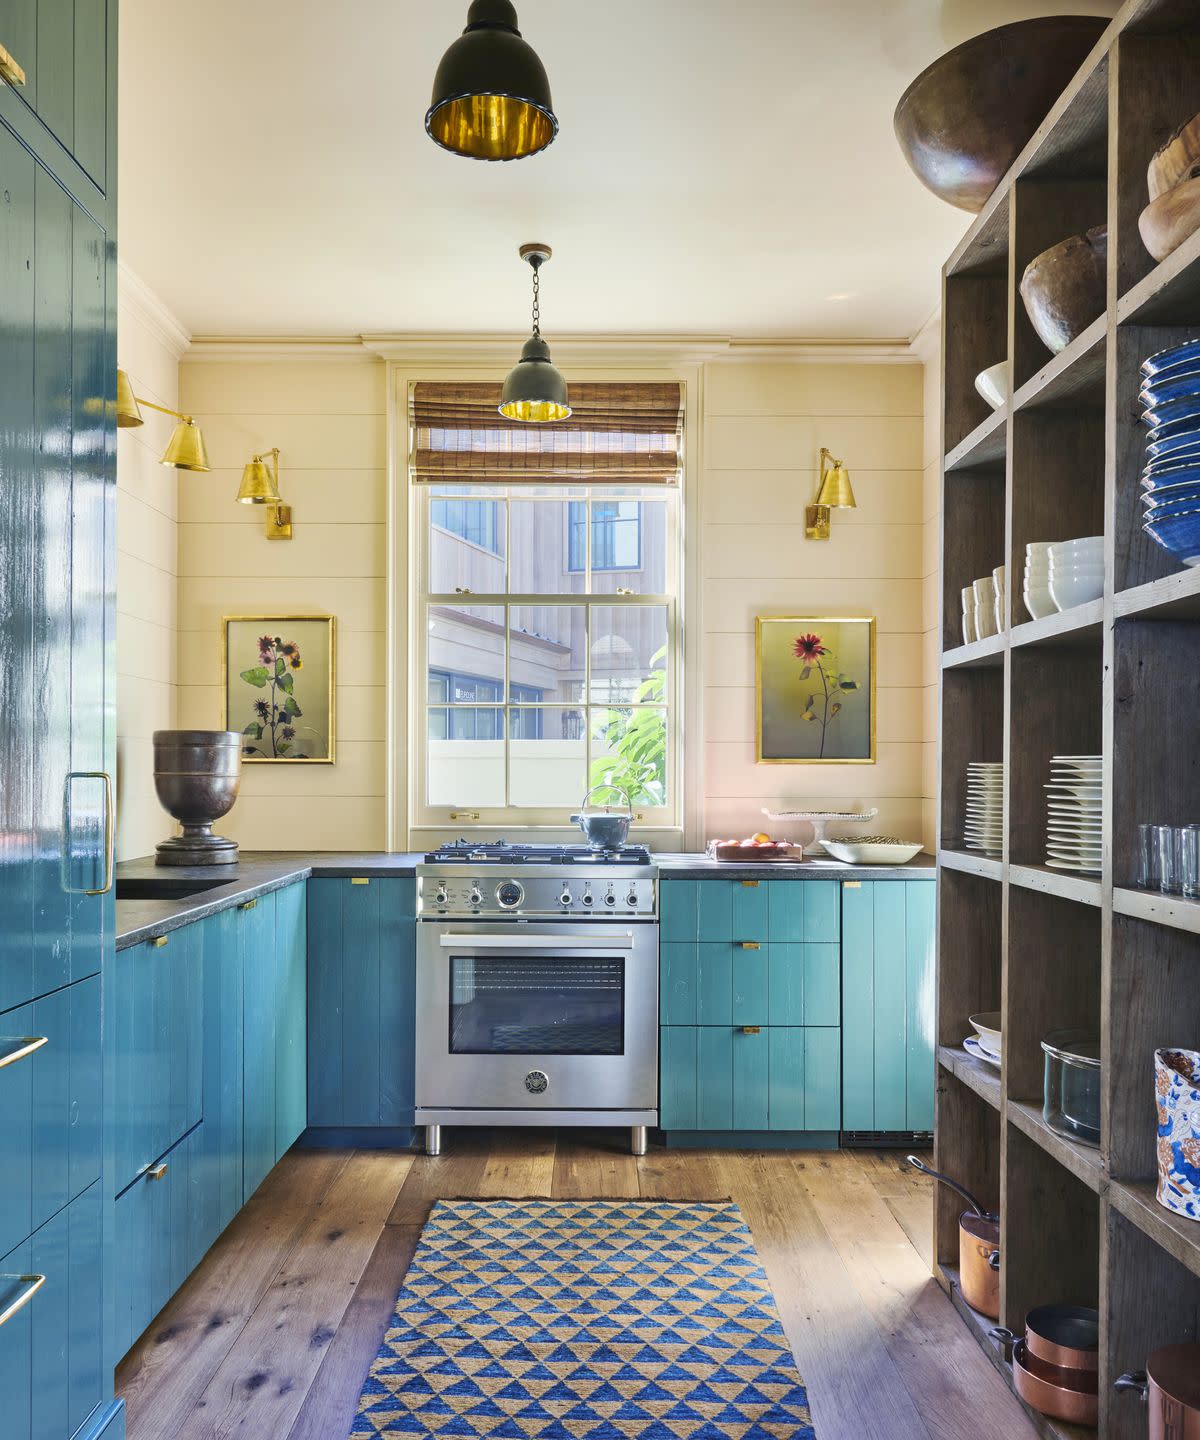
column 464, row 814
column 32, row 1283
column 750, row 884
column 16, row 1047
column 159, row 941
column 12, row 72
column 247, row 904
column 156, row 1172
column 751, row 1029
column 749, row 944
column 359, row 880
column 110, row 831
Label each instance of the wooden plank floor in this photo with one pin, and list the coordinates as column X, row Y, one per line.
column 271, row 1337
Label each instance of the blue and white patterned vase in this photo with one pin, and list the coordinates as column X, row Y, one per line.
column 1177, row 1089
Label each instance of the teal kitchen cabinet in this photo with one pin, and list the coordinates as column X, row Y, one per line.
column 291, row 1016
column 260, row 989
column 888, row 1005
column 361, row 1003
column 750, row 1008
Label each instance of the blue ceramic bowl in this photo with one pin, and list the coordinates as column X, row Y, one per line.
column 1168, row 455
column 1171, row 386
column 1159, row 476
column 1179, row 534
column 1173, row 412
column 1155, row 509
column 1177, row 440
column 1187, row 353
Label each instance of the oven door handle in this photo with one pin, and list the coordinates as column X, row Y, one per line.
column 607, row 941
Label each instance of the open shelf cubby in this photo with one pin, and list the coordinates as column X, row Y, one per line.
column 1119, row 677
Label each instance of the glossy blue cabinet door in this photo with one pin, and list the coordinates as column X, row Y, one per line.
column 291, row 1032
column 887, row 980
column 677, row 1077
column 361, row 1002
column 260, row 991
column 223, row 967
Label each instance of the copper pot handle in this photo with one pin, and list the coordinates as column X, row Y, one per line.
column 1134, row 1380
column 1006, row 1338
column 993, row 1260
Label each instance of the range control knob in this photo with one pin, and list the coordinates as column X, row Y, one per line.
column 509, row 894
column 588, row 898
column 442, row 896
column 565, row 897
column 476, row 896
column 610, row 898
column 632, row 899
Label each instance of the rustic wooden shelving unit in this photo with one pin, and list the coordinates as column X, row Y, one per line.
column 1120, row 677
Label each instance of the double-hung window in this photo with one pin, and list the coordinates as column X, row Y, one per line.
column 546, row 651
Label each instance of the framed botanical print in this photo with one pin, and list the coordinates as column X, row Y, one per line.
column 279, row 682
column 815, row 684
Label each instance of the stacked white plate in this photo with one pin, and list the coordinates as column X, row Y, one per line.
column 1074, row 826
column 987, row 1042
column 984, row 828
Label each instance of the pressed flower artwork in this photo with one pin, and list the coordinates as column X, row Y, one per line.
column 816, row 689
column 279, row 686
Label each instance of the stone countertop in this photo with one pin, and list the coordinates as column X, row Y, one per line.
column 260, row 872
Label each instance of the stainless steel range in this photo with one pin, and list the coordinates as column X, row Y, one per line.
column 537, row 988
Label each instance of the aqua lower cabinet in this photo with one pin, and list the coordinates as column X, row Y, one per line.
column 730, row 1078
column 888, row 1005
column 51, row 1371
column 50, row 1107
column 361, row 1002
column 291, row 1016
column 260, row 992
column 223, row 966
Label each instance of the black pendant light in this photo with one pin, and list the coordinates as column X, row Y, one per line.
column 491, row 97
column 534, row 390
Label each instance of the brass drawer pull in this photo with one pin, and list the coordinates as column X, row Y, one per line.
column 156, row 1172
column 749, row 944
column 360, row 880
column 464, row 814
column 247, row 904
column 751, row 1029
column 20, row 1046
column 32, row 1283
column 12, row 72
column 750, row 884
column 159, row 941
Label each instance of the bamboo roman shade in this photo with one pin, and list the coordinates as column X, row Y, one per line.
column 617, row 434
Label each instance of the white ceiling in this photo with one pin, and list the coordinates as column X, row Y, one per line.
column 723, row 167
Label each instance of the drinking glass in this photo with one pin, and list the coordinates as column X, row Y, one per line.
column 1189, row 860
column 1166, row 843
column 1147, row 858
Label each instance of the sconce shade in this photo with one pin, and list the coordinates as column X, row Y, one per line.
column 835, row 489
column 533, row 389
column 491, row 95
column 128, row 414
column 186, row 448
column 258, row 485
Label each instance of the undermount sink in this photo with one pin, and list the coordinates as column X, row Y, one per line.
column 164, row 887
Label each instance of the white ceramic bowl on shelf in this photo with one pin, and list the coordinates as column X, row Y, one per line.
column 992, row 384
column 1067, row 591
column 1087, row 545
column 1039, row 602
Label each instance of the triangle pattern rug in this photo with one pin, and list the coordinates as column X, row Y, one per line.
column 585, row 1320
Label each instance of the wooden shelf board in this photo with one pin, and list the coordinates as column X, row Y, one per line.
column 1176, row 1234
column 1061, row 883
column 972, row 862
column 1170, row 294
column 1081, row 1160
column 1173, row 597
column 981, row 1327
column 1075, row 376
column 985, row 445
column 983, row 1079
column 1171, row 910
column 978, row 655
column 1078, row 628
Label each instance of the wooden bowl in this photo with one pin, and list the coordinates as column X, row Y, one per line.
column 1176, row 161
column 964, row 120
column 1168, row 220
column 1064, row 288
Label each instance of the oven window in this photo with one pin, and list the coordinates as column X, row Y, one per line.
column 536, row 1005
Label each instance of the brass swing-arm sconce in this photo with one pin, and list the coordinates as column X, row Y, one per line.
column 260, row 486
column 185, row 449
column 833, row 493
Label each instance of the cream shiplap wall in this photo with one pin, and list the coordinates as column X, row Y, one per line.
column 149, row 344
column 764, row 425
column 328, row 418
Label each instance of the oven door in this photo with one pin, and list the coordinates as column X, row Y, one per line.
column 537, row 1016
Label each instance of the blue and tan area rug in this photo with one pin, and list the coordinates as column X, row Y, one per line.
column 585, row 1320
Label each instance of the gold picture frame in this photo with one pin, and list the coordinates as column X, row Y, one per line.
column 796, row 714
column 310, row 713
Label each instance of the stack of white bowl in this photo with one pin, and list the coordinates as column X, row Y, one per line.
column 1077, row 571
column 983, row 606
column 984, row 829
column 1074, row 826
column 1037, row 597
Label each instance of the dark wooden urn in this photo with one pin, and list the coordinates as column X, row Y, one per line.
column 197, row 774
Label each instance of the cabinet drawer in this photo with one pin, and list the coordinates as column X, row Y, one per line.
column 748, row 982
column 708, row 911
column 783, row 1077
column 163, row 1223
column 49, row 1107
column 157, row 998
column 50, row 1349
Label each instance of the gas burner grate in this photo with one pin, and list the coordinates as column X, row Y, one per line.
column 502, row 852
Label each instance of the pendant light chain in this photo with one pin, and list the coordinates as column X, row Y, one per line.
column 537, row 312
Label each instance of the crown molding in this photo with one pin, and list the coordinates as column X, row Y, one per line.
column 580, row 349
column 133, row 291
column 926, row 344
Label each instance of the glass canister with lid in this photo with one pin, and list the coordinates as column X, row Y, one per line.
column 1071, row 1100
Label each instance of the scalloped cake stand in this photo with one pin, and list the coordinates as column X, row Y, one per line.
column 819, row 819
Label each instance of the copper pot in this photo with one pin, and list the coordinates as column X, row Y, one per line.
column 1171, row 1385
column 1054, row 1390
column 978, row 1247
